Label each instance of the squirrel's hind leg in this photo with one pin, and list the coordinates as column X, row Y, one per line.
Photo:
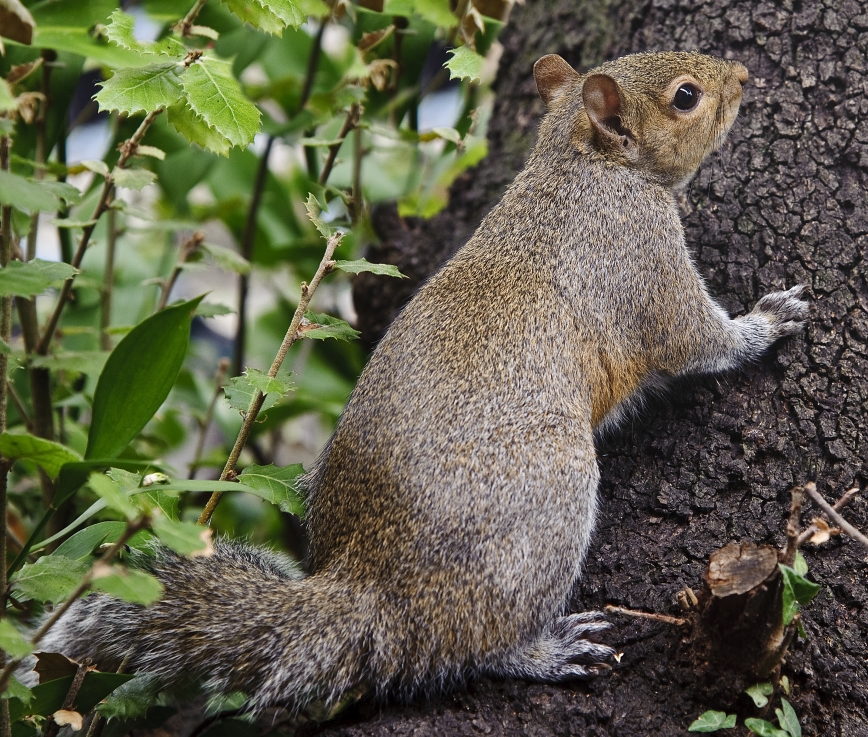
column 563, row 652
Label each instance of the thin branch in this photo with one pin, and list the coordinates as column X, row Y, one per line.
column 219, row 379
column 357, row 199
column 677, row 621
column 845, row 499
column 105, row 320
column 350, row 122
column 19, row 405
column 188, row 248
column 312, row 64
column 98, row 721
column 307, row 291
column 52, row 727
column 128, row 149
column 798, row 495
column 183, row 27
column 133, row 526
column 833, row 515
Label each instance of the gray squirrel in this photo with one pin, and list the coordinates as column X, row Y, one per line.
column 451, row 511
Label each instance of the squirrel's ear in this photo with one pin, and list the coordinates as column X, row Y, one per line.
column 553, row 77
column 603, row 103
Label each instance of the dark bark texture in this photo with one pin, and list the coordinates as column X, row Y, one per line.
column 785, row 202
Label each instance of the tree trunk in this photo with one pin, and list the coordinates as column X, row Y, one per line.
column 784, row 203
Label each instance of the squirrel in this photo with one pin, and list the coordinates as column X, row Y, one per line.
column 452, row 508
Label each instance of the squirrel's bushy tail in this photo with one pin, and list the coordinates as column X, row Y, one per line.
column 242, row 619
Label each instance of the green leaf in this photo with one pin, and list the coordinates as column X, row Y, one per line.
column 25, row 194
column 800, row 565
column 788, row 720
column 80, row 545
column 764, row 728
column 65, row 191
column 760, row 692
column 48, row 455
column 137, row 379
column 196, row 130
column 326, row 326
column 290, row 12
column 17, row 690
column 276, row 485
column 257, row 15
column 7, row 99
column 132, row 699
column 216, row 96
column 49, row 697
column 711, row 721
column 136, row 587
column 111, row 494
column 52, row 578
column 133, row 178
column 227, row 259
column 212, row 309
column 121, row 30
column 464, row 64
column 182, row 537
column 797, row 590
column 96, row 166
column 785, row 684
column 436, row 12
column 22, row 279
column 240, row 390
column 12, row 642
column 313, row 212
column 90, row 363
column 142, row 89
column 360, row 265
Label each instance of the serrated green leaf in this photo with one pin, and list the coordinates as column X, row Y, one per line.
column 153, row 151
column 70, row 224
column 121, row 30
column 464, row 64
column 227, row 259
column 712, row 721
column 240, row 390
column 65, row 191
column 182, row 537
column 48, row 455
column 137, row 379
column 764, row 728
column 196, row 130
column 133, row 178
column 326, row 326
column 132, row 699
column 96, row 166
column 142, row 89
column 25, row 279
column 12, row 642
column 800, row 565
column 212, row 309
column 83, row 543
column 136, row 587
column 17, row 690
column 276, row 485
column 360, row 265
column 797, row 590
column 290, row 12
column 313, row 213
column 436, row 12
column 446, row 134
column 217, row 98
column 90, row 363
column 25, row 194
column 7, row 99
column 52, row 578
column 257, row 15
column 111, row 494
column 760, row 692
column 788, row 719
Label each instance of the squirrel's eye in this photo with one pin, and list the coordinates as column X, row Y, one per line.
column 686, row 97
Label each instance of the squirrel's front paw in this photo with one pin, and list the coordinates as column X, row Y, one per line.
column 785, row 311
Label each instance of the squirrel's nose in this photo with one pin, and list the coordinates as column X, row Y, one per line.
column 741, row 72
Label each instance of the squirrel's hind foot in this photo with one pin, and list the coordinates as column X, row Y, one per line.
column 786, row 311
column 564, row 651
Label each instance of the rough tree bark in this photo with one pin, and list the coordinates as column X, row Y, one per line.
column 786, row 202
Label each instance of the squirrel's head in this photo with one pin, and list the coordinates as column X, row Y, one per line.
column 660, row 113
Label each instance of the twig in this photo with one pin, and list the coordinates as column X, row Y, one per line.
column 128, row 149
column 131, row 529
column 325, row 266
column 183, row 27
column 19, row 406
column 845, row 499
column 350, row 122
column 219, row 379
column 98, row 721
column 105, row 320
column 356, row 199
column 51, row 726
column 312, row 64
column 677, row 621
column 247, row 252
column 798, row 495
column 830, row 512
column 188, row 248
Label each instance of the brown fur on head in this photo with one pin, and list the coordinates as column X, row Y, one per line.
column 660, row 113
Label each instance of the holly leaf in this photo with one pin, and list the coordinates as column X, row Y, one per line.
column 121, row 30
column 48, row 455
column 136, row 587
column 217, row 98
column 185, row 538
column 142, row 89
column 194, row 128
column 276, row 485
column 132, row 699
column 52, row 578
column 12, row 642
column 240, row 390
column 25, row 279
column 227, row 259
column 26, row 195
column 326, row 326
column 133, row 178
column 17, row 690
column 360, row 265
column 111, row 494
column 464, row 64
column 257, row 15
column 82, row 544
